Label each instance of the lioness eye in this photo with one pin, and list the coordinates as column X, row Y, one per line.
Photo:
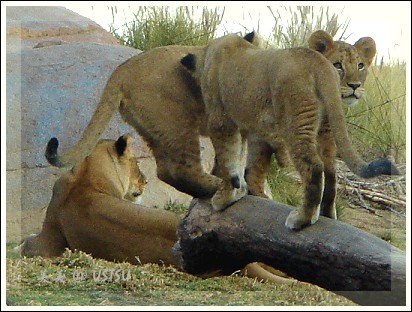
column 361, row 66
column 338, row 65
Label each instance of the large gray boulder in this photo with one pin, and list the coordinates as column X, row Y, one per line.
column 58, row 63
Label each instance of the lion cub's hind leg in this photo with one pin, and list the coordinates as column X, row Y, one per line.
column 304, row 154
column 182, row 169
column 311, row 172
column 258, row 163
column 327, row 151
column 229, row 146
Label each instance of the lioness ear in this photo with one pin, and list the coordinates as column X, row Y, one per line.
column 123, row 143
column 253, row 38
column 367, row 48
column 321, row 41
column 189, row 61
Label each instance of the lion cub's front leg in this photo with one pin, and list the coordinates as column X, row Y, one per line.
column 229, row 147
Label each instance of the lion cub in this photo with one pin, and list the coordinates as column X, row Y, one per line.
column 290, row 97
column 352, row 63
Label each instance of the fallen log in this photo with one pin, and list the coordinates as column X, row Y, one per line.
column 331, row 254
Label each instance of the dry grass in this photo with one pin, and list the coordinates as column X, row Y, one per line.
column 149, row 284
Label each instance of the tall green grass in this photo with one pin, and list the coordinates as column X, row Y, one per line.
column 155, row 26
column 292, row 26
column 377, row 123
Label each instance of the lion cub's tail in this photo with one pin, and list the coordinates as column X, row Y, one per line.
column 336, row 117
column 109, row 103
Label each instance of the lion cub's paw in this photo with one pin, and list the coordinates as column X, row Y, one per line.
column 225, row 197
column 296, row 221
column 329, row 213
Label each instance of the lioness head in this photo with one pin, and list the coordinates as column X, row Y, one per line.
column 123, row 166
column 111, row 167
column 351, row 62
column 137, row 183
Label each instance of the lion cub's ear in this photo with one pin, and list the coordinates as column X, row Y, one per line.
column 253, row 38
column 123, row 144
column 321, row 41
column 189, row 61
column 367, row 48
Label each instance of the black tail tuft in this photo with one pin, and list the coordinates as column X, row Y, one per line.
column 250, row 37
column 379, row 167
column 189, row 61
column 51, row 152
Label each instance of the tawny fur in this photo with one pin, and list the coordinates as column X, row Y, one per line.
column 87, row 212
column 352, row 63
column 160, row 99
column 289, row 98
column 163, row 103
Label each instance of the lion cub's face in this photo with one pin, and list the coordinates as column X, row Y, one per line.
column 351, row 62
column 137, row 182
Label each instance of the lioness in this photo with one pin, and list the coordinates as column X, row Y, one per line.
column 90, row 211
column 289, row 96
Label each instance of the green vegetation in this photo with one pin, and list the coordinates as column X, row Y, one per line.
column 293, row 27
column 73, row 279
column 378, row 123
column 159, row 26
column 176, row 207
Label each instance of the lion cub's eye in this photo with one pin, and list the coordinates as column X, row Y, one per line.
column 361, row 66
column 338, row 65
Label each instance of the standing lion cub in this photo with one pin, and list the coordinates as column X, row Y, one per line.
column 288, row 97
column 352, row 63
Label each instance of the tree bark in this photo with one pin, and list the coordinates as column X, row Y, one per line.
column 331, row 254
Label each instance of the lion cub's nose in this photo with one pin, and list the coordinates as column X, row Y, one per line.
column 354, row 85
column 135, row 194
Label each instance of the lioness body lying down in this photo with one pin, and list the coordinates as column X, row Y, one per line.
column 90, row 210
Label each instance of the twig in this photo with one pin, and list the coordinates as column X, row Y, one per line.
column 369, row 184
column 363, row 204
column 379, row 197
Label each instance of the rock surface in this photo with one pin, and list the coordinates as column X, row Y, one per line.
column 58, row 63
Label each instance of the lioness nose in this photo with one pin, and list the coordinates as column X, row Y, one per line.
column 135, row 194
column 354, row 85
